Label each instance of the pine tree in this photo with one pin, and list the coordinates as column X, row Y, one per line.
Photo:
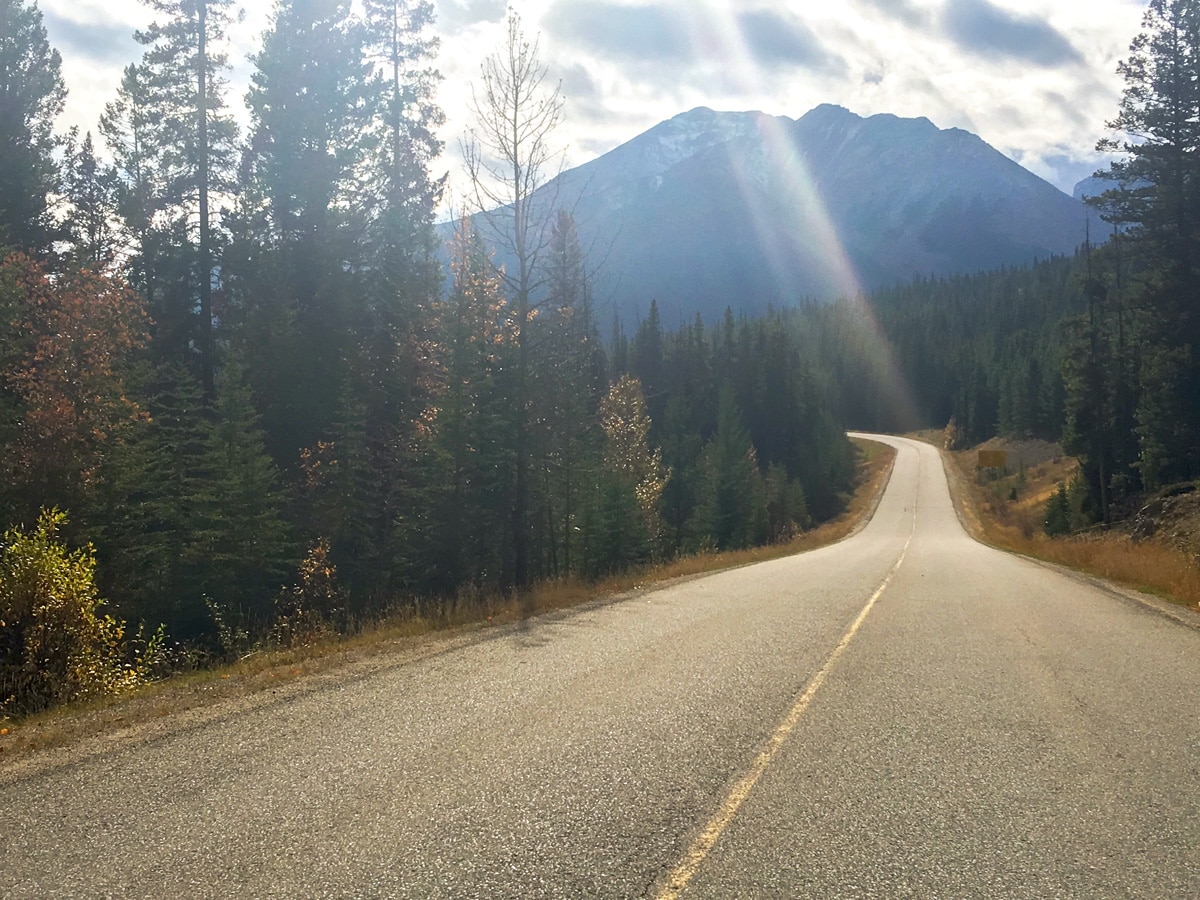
column 392, row 372
column 1156, row 195
column 732, row 490
column 151, row 563
column 295, row 298
column 1090, row 367
column 646, row 361
column 239, row 528
column 401, row 197
column 308, row 103
column 1057, row 521
column 472, row 437
column 508, row 160
column 90, row 187
column 128, row 128
column 569, row 380
column 194, row 510
column 785, row 505
column 32, row 95
column 178, row 92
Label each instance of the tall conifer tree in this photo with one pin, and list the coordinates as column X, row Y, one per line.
column 508, row 160
column 31, row 97
column 181, row 136
column 1156, row 195
column 296, row 243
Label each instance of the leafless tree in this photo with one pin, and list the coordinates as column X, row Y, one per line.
column 509, row 156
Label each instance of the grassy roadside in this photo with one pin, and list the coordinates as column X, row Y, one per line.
column 1014, row 523
column 264, row 675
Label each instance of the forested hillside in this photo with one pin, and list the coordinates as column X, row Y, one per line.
column 228, row 363
column 1102, row 350
column 984, row 351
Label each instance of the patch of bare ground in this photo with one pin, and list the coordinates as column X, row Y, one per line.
column 1155, row 552
column 268, row 676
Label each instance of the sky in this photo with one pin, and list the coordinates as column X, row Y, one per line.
column 1036, row 79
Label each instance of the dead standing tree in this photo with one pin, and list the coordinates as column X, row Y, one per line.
column 508, row 158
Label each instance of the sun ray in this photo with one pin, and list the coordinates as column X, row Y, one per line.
column 781, row 187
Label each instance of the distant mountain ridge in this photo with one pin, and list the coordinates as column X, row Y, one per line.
column 742, row 209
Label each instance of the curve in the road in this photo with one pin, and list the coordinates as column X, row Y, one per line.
column 990, row 728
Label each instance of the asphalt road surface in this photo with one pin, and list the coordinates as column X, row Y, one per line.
column 904, row 714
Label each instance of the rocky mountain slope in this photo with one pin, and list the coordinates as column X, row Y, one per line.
column 714, row 209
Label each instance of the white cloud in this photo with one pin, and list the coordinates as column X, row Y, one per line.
column 1044, row 104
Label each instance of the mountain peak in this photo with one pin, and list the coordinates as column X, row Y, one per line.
column 710, row 205
column 830, row 111
column 709, row 121
column 687, row 134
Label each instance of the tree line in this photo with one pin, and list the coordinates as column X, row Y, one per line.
column 982, row 351
column 233, row 365
column 1101, row 350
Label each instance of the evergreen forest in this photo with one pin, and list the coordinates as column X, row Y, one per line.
column 238, row 382
column 246, row 393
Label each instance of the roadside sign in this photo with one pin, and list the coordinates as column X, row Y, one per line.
column 993, row 459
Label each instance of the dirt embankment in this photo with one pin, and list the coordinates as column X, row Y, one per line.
column 1171, row 518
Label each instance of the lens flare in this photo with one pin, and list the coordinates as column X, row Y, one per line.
column 790, row 218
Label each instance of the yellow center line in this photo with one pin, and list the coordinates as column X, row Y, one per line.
column 698, row 852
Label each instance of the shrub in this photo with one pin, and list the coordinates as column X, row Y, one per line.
column 1058, row 513
column 56, row 643
column 315, row 606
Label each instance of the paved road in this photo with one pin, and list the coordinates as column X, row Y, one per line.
column 981, row 726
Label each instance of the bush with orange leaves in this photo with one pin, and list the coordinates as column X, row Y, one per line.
column 315, row 607
column 65, row 341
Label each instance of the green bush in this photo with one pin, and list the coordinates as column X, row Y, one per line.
column 1058, row 513
column 56, row 644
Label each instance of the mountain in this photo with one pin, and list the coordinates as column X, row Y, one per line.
column 1091, row 187
column 715, row 209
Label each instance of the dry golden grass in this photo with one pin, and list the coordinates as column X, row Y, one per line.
column 408, row 632
column 1017, row 525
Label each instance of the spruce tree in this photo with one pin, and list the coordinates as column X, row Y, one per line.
column 239, row 528
column 1057, row 521
column 151, row 562
column 128, row 126
column 180, row 96
column 732, row 490
column 90, row 187
column 569, row 380
column 31, row 97
column 1156, row 196
column 508, row 159
column 295, row 298
column 472, row 436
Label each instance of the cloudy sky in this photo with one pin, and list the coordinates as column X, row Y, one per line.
column 1035, row 78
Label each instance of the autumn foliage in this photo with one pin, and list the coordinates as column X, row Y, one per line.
column 66, row 342
column 56, row 641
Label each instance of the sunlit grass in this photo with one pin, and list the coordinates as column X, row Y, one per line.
column 271, row 669
column 1146, row 566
